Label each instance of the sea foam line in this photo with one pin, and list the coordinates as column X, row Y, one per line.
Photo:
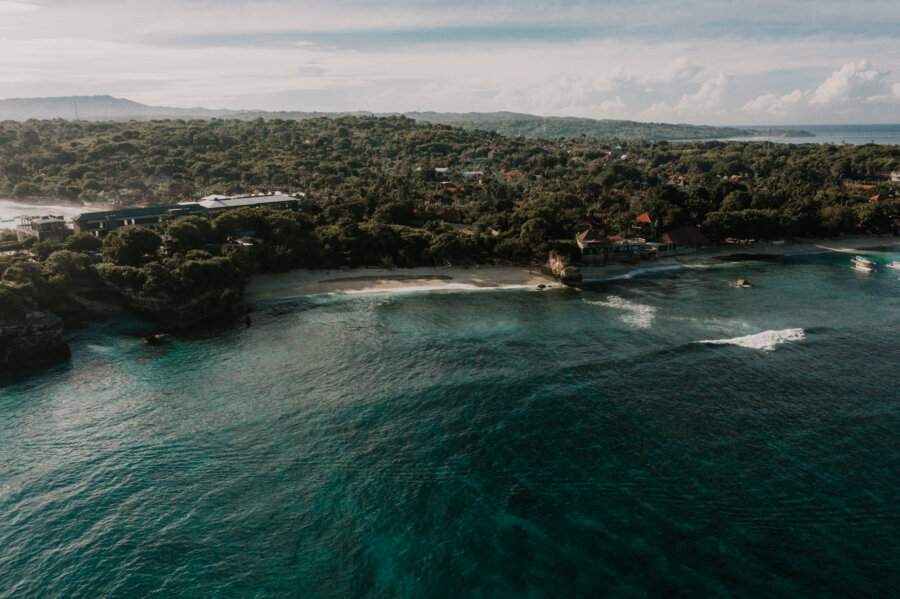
column 647, row 271
column 765, row 341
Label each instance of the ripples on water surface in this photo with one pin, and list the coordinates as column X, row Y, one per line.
column 513, row 443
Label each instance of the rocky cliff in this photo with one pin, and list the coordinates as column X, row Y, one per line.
column 35, row 341
column 567, row 275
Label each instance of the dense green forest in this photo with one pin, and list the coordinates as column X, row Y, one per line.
column 382, row 170
column 379, row 193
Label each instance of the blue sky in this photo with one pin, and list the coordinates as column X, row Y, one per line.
column 753, row 62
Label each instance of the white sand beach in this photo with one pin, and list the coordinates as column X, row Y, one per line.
column 383, row 280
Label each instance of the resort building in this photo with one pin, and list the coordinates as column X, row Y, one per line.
column 684, row 240
column 632, row 246
column 594, row 247
column 101, row 223
column 217, row 204
column 43, row 228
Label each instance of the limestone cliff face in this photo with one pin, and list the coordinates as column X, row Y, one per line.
column 567, row 275
column 36, row 341
column 184, row 314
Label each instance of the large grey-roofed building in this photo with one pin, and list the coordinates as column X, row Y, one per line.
column 216, row 204
column 101, row 223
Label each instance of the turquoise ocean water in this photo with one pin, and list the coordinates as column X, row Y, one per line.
column 475, row 444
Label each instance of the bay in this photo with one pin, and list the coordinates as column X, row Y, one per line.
column 665, row 435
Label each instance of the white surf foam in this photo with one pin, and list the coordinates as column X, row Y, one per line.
column 639, row 315
column 645, row 271
column 638, row 272
column 440, row 287
column 766, row 341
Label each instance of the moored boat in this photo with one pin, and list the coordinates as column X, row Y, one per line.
column 862, row 260
column 894, row 264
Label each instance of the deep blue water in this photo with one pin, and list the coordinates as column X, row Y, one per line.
column 487, row 444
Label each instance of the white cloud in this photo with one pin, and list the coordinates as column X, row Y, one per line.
column 851, row 81
column 17, row 7
column 709, row 99
column 603, row 62
column 775, row 104
column 856, row 91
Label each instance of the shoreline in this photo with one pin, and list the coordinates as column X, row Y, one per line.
column 718, row 255
column 360, row 281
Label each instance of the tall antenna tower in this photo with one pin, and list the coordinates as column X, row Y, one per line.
column 75, row 102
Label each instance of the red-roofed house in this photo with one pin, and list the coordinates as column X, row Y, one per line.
column 643, row 223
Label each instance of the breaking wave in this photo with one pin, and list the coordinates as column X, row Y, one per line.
column 766, row 341
column 639, row 315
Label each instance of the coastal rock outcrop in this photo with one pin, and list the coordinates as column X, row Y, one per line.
column 182, row 313
column 567, row 275
column 35, row 341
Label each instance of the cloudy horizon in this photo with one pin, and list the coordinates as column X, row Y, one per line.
column 700, row 62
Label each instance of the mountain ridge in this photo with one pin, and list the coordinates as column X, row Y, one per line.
column 110, row 108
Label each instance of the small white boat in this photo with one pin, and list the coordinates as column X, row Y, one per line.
column 863, row 267
column 863, row 261
column 894, row 264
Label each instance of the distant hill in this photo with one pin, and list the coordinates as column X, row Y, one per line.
column 529, row 125
column 94, row 108
column 108, row 108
